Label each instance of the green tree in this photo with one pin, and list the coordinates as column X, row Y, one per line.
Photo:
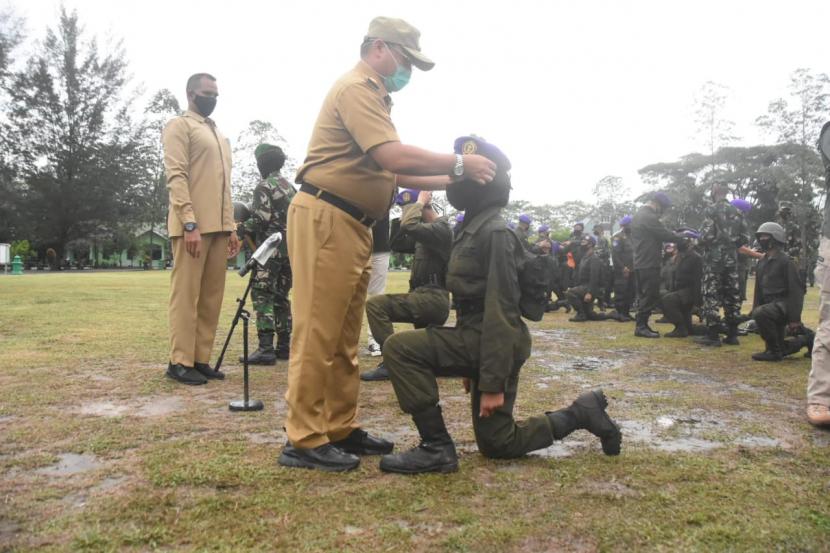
column 80, row 155
column 798, row 120
column 11, row 223
column 245, row 172
column 612, row 196
column 713, row 129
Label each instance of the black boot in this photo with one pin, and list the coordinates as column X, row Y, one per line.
column 435, row 453
column 711, row 339
column 588, row 413
column 645, row 332
column 265, row 354
column 378, row 373
column 731, row 335
column 774, row 352
column 283, row 350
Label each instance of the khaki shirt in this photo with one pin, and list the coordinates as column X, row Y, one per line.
column 354, row 119
column 197, row 161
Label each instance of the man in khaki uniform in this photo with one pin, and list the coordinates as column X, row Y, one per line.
column 197, row 161
column 354, row 162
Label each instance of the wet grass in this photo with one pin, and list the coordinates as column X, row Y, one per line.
column 716, row 455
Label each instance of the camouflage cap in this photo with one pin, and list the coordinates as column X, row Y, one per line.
column 262, row 148
column 398, row 31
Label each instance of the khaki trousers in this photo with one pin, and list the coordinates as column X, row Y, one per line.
column 330, row 254
column 818, row 383
column 197, row 286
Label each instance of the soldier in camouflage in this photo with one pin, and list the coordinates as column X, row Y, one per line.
column 269, row 213
column 723, row 231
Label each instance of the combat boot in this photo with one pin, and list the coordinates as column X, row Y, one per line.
column 588, row 413
column 378, row 373
column 773, row 352
column 265, row 354
column 435, row 453
column 283, row 350
column 711, row 339
column 644, row 331
column 731, row 335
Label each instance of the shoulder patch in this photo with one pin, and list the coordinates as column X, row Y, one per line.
column 373, row 83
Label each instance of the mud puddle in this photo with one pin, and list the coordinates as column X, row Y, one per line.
column 70, row 464
column 579, row 363
column 691, row 434
column 149, row 407
column 551, row 336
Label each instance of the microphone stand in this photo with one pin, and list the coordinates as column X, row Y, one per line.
column 245, row 404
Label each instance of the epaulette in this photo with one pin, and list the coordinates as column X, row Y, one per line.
column 373, row 83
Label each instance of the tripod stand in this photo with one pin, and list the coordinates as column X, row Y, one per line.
column 241, row 313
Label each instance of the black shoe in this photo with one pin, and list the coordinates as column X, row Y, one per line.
column 589, row 409
column 378, row 373
column 360, row 442
column 578, row 318
column 435, row 453
column 325, row 457
column 767, row 356
column 677, row 333
column 711, row 339
column 732, row 340
column 208, row 372
column 645, row 332
column 185, row 375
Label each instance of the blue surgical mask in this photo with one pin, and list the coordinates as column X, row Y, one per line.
column 398, row 79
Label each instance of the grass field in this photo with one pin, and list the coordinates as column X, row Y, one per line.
column 99, row 452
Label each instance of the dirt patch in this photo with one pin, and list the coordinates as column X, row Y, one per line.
column 615, row 490
column 104, row 409
column 159, row 407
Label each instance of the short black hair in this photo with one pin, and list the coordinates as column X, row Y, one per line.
column 194, row 80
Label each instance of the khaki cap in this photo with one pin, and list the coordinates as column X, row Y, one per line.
column 398, row 31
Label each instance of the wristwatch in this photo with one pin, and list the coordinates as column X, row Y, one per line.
column 190, row 227
column 458, row 169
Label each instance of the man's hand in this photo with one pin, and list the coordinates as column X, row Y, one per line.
column 193, row 243
column 466, row 382
column 626, row 272
column 424, row 197
column 588, row 297
column 479, row 169
column 490, row 402
column 233, row 245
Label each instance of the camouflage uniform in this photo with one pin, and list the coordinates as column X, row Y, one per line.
column 722, row 233
column 272, row 283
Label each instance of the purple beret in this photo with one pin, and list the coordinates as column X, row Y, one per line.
column 544, row 228
column 459, row 218
column 662, row 198
column 476, row 145
column 525, row 218
column 590, row 239
column 407, row 196
column 690, row 234
column 625, row 220
column 742, row 205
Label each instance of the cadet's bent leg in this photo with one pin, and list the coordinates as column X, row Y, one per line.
column 500, row 437
column 412, row 360
column 383, row 310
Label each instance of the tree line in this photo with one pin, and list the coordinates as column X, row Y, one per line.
column 81, row 165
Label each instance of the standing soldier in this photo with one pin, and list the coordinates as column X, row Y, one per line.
column 723, row 231
column 603, row 251
column 523, row 230
column 272, row 283
column 622, row 255
column 487, row 347
column 647, row 236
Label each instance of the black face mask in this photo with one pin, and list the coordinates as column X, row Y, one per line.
column 765, row 244
column 577, row 232
column 472, row 198
column 205, row 104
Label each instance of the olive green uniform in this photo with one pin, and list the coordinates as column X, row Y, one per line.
column 428, row 302
column 489, row 343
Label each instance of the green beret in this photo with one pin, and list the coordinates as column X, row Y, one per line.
column 262, row 148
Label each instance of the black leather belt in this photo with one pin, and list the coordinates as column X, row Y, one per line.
column 339, row 203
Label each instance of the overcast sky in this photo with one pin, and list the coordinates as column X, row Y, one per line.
column 571, row 91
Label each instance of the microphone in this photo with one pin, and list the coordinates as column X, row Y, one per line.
column 263, row 253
